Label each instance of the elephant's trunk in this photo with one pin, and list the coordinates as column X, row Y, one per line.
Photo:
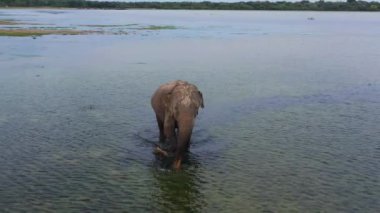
column 185, row 128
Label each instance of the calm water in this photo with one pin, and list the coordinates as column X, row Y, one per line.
column 291, row 118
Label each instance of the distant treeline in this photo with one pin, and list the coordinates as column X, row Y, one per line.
column 350, row 5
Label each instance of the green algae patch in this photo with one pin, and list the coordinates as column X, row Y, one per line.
column 8, row 22
column 159, row 27
column 108, row 25
column 15, row 22
column 134, row 26
column 41, row 32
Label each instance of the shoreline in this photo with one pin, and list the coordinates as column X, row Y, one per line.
column 300, row 5
column 72, row 8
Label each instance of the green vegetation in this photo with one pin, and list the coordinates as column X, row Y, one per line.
column 8, row 22
column 14, row 22
column 157, row 27
column 10, row 30
column 108, row 25
column 40, row 32
column 350, row 5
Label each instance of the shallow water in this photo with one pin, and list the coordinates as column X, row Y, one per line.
column 291, row 118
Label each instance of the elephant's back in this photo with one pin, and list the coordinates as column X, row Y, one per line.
column 171, row 86
column 167, row 88
column 163, row 90
column 182, row 92
column 158, row 97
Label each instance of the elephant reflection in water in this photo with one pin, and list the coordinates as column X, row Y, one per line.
column 178, row 191
column 176, row 105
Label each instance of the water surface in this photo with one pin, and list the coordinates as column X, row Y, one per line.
column 291, row 118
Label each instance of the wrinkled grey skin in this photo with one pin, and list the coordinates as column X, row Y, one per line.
column 176, row 106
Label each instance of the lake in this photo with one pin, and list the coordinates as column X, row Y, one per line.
column 290, row 124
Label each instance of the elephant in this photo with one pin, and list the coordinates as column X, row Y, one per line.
column 176, row 106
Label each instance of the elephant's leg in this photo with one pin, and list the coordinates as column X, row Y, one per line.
column 184, row 136
column 161, row 128
column 180, row 151
column 169, row 128
column 187, row 147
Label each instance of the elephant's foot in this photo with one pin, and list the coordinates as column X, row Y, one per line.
column 177, row 164
column 159, row 151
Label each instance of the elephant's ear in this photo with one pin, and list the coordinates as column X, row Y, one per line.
column 201, row 99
